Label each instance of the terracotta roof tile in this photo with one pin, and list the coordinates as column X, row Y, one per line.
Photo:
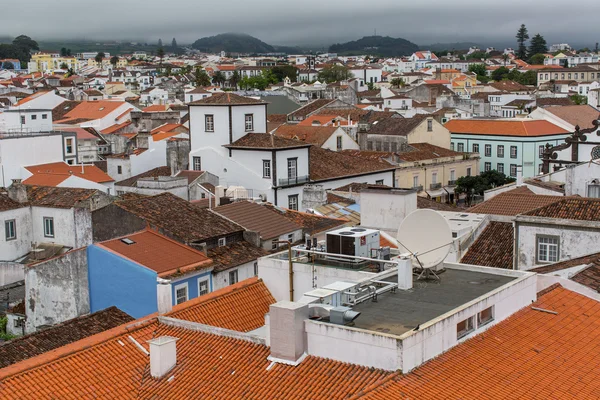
column 156, row 108
column 316, row 135
column 265, row 141
column 227, row 98
column 70, row 331
column 327, row 164
column 576, row 208
column 426, row 151
column 59, row 197
column 6, row 203
column 589, row 276
column 310, row 223
column 239, row 307
column 154, row 251
column 396, row 125
column 181, row 219
column 310, row 108
column 423, row 202
column 50, row 174
column 153, row 173
column 257, row 218
column 512, row 204
column 90, row 110
column 531, row 355
column 493, row 247
column 554, row 101
column 582, row 115
column 235, row 254
column 510, row 86
column 503, row 127
column 191, row 175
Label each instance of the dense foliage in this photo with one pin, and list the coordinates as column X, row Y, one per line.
column 20, row 48
column 384, row 46
column 477, row 184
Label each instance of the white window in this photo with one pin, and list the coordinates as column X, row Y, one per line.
column 488, row 166
column 513, row 169
column 468, row 171
column 33, row 117
column 181, row 293
column 233, row 277
column 463, row 328
column 452, row 146
column 500, row 167
column 452, row 175
column 485, row 317
column 500, row 151
column 292, row 168
column 429, row 125
column 461, row 147
column 222, row 242
column 338, row 142
column 266, row 168
column 547, row 249
column 434, row 177
column 49, row 227
column 541, row 151
column 293, row 202
column 513, row 151
column 593, row 190
column 274, row 244
column 415, row 181
column 488, row 150
column 10, row 229
column 44, row 116
column 249, row 122
column 209, row 123
column 197, row 163
column 475, row 148
column 203, row 287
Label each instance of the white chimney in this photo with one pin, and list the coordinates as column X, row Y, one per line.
column 163, row 355
column 286, row 331
column 519, row 175
column 164, row 296
column 405, row 275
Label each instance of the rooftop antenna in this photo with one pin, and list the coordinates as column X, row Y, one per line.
column 426, row 236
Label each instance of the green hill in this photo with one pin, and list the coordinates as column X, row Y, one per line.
column 232, row 43
column 384, row 46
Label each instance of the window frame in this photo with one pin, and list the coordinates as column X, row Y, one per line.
column 480, row 321
column 119, row 169
column 200, row 282
column 500, row 151
column 487, row 166
column 500, row 167
column 460, row 147
column 222, row 242
column 469, row 328
column 338, row 142
column 199, row 160
column 46, row 232
column 548, row 259
column 475, row 147
column 8, row 223
column 511, row 170
column 274, row 244
column 207, row 123
column 487, row 150
column 249, row 123
column 176, row 288
column 266, row 168
column 292, row 161
column 515, row 152
column 290, row 198
column 429, row 125
column 233, row 273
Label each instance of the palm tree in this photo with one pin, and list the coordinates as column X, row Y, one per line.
column 114, row 60
column 234, row 79
column 160, row 54
column 99, row 57
column 219, row 78
column 505, row 57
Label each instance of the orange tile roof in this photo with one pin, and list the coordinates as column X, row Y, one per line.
column 158, row 253
column 167, row 128
column 323, row 120
column 248, row 300
column 531, row 355
column 503, row 127
column 31, row 97
column 156, row 108
column 123, row 114
column 115, row 127
column 164, row 135
column 92, row 110
column 437, row 81
column 54, row 173
column 317, row 135
column 512, row 203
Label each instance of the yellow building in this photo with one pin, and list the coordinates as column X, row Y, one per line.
column 48, row 62
column 122, row 63
column 465, row 84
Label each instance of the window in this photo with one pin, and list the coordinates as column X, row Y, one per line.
column 475, row 148
column 488, row 150
column 593, row 190
column 119, row 169
column 49, row 227
column 452, row 146
column 434, row 178
column 203, row 287
column 274, row 244
column 461, row 147
column 485, row 317
column 488, row 166
column 547, row 249
column 22, row 120
column 266, row 168
column 293, row 202
column 33, row 117
column 209, row 123
column 233, row 277
column 197, row 163
column 513, row 169
column 10, row 229
column 429, row 125
column 452, row 175
column 379, row 182
column 500, row 151
column 500, row 168
column 290, row 238
column 541, row 151
column 292, row 168
column 249, row 122
column 415, row 181
column 69, row 146
column 463, row 328
column 339, row 142
column 181, row 293
column 513, row 151
column 468, row 171
column 222, row 242
column 44, row 116
column 256, row 269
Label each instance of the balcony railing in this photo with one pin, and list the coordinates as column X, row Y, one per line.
column 294, row 181
column 419, row 188
column 452, row 183
column 435, row 186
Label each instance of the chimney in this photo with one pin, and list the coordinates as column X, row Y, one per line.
column 519, row 175
column 163, row 355
column 164, row 296
column 286, row 331
column 405, row 275
column 17, row 191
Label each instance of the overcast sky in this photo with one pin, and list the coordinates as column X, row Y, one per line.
column 304, row 22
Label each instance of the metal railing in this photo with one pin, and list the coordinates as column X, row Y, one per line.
column 435, row 186
column 294, row 180
column 419, row 188
column 452, row 183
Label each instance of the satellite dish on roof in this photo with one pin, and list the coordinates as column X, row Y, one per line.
column 427, row 236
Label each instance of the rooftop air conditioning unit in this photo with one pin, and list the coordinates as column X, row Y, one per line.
column 352, row 242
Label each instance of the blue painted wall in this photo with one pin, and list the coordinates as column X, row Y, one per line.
column 115, row 281
column 192, row 285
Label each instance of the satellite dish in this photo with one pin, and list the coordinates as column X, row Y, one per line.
column 427, row 236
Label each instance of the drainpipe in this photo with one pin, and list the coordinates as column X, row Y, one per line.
column 291, row 272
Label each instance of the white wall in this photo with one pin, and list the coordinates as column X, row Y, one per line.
column 11, row 121
column 10, row 273
column 47, row 101
column 112, row 164
column 77, row 182
column 181, row 191
column 64, row 225
column 12, row 249
column 347, row 142
column 238, row 119
column 386, row 209
column 301, row 164
column 199, row 137
column 221, row 279
column 155, row 156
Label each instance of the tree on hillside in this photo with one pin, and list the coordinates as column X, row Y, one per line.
column 201, row 78
column 335, row 73
column 114, row 60
column 478, row 55
column 21, row 48
column 537, row 46
column 522, row 37
column 99, row 57
column 526, row 78
column 25, row 42
column 500, row 74
column 537, row 59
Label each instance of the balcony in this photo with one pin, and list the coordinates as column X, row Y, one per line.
column 418, row 188
column 294, row 181
column 452, row 183
column 435, row 186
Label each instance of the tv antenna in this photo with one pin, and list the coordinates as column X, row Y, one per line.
column 427, row 236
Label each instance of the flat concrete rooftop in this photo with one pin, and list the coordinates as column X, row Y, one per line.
column 400, row 312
